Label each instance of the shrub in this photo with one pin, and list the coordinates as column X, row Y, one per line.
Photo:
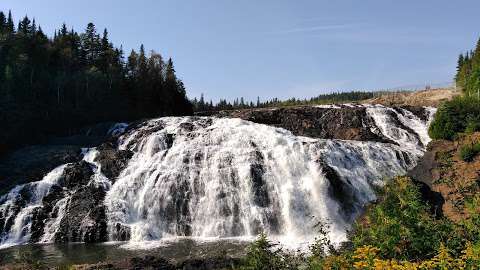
column 473, row 125
column 400, row 225
column 261, row 255
column 469, row 152
column 462, row 114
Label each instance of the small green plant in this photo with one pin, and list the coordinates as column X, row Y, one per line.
column 469, row 152
column 262, row 255
column 473, row 125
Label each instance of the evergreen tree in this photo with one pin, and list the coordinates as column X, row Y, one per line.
column 3, row 22
column 50, row 86
column 90, row 44
column 10, row 27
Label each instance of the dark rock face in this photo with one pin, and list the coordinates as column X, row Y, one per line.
column 260, row 189
column 32, row 163
column 420, row 112
column 348, row 123
column 342, row 191
column 76, row 175
column 425, row 174
column 85, row 219
column 112, row 160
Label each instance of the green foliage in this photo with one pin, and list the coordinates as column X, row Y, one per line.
column 458, row 115
column 473, row 125
column 262, row 255
column 468, row 72
column 56, row 85
column 400, row 224
column 469, row 152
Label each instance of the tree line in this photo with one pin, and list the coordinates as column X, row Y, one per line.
column 53, row 85
column 468, row 71
column 201, row 104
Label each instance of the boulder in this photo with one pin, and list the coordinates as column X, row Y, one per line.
column 112, row 160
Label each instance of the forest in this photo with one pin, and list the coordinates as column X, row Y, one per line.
column 241, row 103
column 55, row 85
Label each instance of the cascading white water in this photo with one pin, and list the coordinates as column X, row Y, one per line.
column 205, row 183
column 31, row 196
column 218, row 177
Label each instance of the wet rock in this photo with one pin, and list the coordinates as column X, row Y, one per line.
column 260, row 188
column 76, row 175
column 85, row 218
column 150, row 262
column 342, row 191
column 32, row 163
column 210, row 263
column 41, row 214
column 112, row 160
column 418, row 111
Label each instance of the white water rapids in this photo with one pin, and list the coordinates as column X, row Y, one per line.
column 219, row 177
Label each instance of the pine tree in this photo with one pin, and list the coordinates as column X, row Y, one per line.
column 3, row 22
column 132, row 65
column 24, row 26
column 34, row 27
column 142, row 63
column 63, row 30
column 10, row 27
column 90, row 44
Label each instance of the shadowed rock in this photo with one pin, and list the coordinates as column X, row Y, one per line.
column 112, row 160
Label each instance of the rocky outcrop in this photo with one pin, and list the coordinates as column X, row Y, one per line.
column 340, row 189
column 447, row 181
column 112, row 160
column 324, row 122
column 32, row 163
column 85, row 219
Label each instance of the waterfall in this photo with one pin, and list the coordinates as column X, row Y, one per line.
column 18, row 206
column 208, row 177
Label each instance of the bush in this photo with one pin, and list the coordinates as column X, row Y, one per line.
column 473, row 125
column 263, row 255
column 400, row 224
column 469, row 152
column 462, row 114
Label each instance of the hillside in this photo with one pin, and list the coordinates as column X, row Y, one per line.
column 433, row 97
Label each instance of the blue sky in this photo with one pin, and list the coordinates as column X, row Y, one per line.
column 280, row 48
